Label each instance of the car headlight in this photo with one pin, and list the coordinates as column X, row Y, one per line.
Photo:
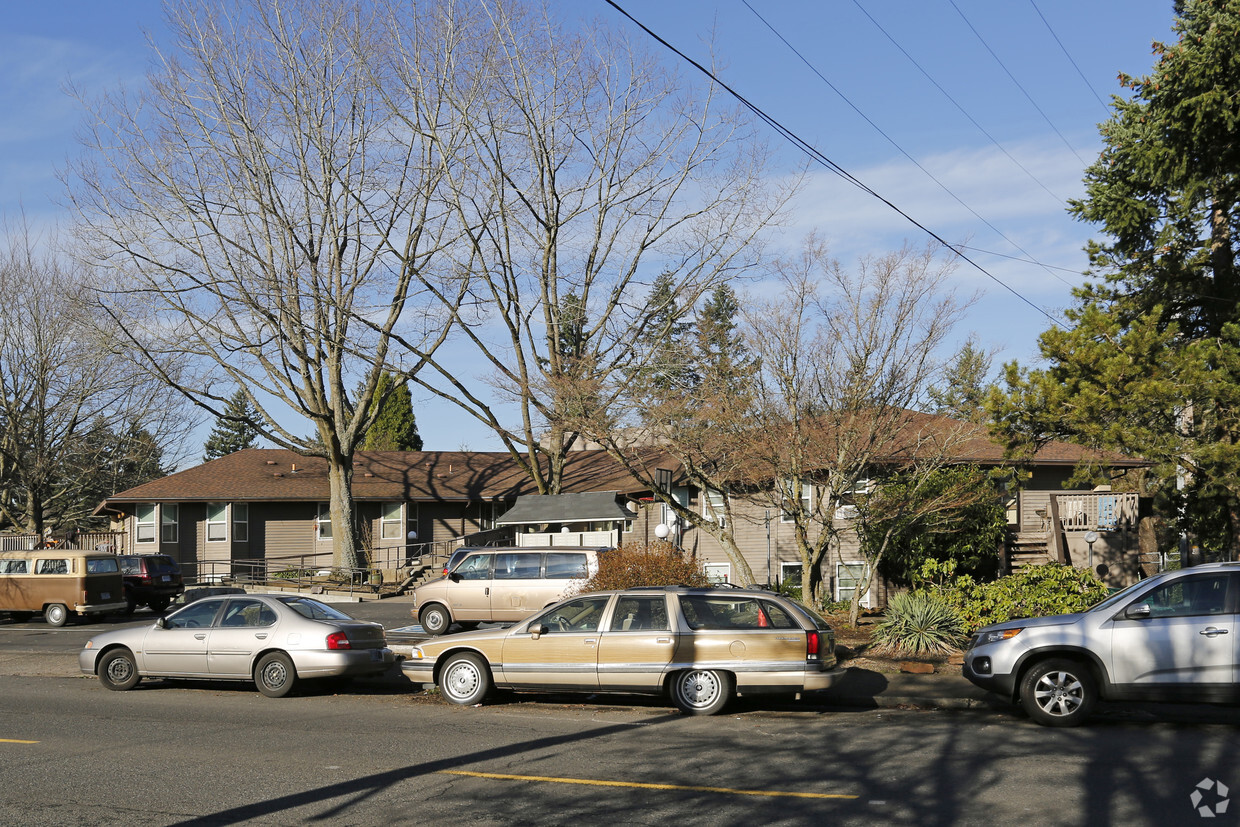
column 416, row 654
column 996, row 635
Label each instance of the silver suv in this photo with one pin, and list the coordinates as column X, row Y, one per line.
column 1175, row 636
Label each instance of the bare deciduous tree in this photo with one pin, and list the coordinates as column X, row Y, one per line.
column 847, row 358
column 75, row 424
column 593, row 169
column 838, row 363
column 273, row 210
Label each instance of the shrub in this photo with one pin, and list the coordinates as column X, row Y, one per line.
column 645, row 564
column 918, row 623
column 1034, row 591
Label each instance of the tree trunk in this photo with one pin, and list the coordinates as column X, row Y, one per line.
column 344, row 527
column 743, row 572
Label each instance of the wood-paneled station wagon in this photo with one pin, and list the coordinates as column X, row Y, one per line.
column 701, row 646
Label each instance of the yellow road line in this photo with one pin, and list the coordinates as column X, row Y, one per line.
column 15, row 741
column 643, row 786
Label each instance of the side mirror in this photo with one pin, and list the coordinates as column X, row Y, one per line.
column 161, row 623
column 454, row 577
column 1137, row 611
column 536, row 629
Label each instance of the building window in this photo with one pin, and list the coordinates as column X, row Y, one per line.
column 713, row 507
column 787, row 515
column 168, row 526
column 144, row 520
column 846, row 577
column 392, row 521
column 718, row 572
column 323, row 522
column 217, row 522
column 241, row 522
column 790, row 574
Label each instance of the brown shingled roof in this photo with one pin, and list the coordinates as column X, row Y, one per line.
column 265, row 474
column 258, row 474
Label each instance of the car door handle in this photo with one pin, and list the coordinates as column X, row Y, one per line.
column 663, row 640
column 261, row 635
column 203, row 636
column 591, row 641
column 1212, row 631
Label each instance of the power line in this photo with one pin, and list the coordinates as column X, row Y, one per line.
column 822, row 159
column 1019, row 86
column 958, row 106
column 1066, row 54
column 1029, row 256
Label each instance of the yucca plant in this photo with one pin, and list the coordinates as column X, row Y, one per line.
column 918, row 623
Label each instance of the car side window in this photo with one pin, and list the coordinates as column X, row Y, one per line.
column 1190, row 596
column 517, row 566
column 13, row 566
column 643, row 613
column 194, row 616
column 565, row 565
column 581, row 615
column 475, row 567
column 53, row 567
column 248, row 613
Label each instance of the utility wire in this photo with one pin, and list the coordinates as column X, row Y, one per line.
column 1066, row 54
column 956, row 103
column 1028, row 256
column 822, row 159
column 1019, row 86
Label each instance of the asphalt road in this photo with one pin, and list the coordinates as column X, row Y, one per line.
column 73, row 753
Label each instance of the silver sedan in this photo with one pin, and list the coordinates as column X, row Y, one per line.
column 271, row 639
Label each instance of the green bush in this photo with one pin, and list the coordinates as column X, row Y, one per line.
column 1034, row 591
column 634, row 565
column 918, row 623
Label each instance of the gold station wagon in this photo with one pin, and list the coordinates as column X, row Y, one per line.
column 701, row 646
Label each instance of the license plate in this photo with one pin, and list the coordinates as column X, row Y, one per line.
column 105, row 596
column 166, row 578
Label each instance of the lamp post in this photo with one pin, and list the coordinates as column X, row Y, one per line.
column 1091, row 537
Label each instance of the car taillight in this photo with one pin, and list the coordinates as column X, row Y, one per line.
column 811, row 645
column 338, row 640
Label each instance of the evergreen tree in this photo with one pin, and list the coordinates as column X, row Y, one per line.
column 722, row 355
column 1151, row 362
column 395, row 428
column 234, row 430
column 961, row 394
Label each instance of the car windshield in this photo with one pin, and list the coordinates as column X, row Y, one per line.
column 313, row 609
column 1118, row 597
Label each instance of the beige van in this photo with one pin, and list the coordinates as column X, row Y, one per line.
column 501, row 584
column 59, row 583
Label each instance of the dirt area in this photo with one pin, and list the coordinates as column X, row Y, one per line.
column 854, row 648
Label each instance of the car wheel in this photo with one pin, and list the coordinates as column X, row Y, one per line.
column 465, row 679
column 56, row 614
column 1059, row 692
column 435, row 619
column 274, row 675
column 130, row 606
column 701, row 691
column 158, row 606
column 118, row 670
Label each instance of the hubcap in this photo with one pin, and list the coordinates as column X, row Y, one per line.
column 700, row 688
column 275, row 675
column 462, row 680
column 118, row 670
column 1059, row 693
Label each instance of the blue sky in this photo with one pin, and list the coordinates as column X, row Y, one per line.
column 1012, row 161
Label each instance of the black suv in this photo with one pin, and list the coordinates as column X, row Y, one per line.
column 150, row 580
